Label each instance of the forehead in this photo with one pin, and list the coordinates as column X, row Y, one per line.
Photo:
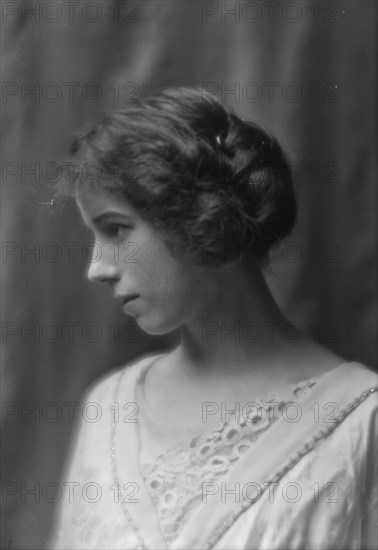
column 93, row 203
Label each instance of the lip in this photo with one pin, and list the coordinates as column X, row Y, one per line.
column 128, row 305
column 126, row 299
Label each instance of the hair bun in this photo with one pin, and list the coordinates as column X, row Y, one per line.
column 262, row 182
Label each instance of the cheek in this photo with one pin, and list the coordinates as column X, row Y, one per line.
column 168, row 283
column 171, row 283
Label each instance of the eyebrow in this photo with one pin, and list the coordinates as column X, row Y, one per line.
column 110, row 214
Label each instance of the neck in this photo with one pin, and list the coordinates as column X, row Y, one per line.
column 241, row 327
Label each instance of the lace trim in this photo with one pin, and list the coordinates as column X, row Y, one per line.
column 175, row 480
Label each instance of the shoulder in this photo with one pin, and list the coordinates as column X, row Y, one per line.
column 349, row 377
column 352, row 385
column 355, row 390
column 102, row 390
column 346, row 404
column 361, row 371
column 356, row 379
column 345, row 413
column 367, row 381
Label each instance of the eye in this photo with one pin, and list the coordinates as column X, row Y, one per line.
column 116, row 230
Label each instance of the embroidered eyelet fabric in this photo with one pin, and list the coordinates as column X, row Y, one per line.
column 175, row 479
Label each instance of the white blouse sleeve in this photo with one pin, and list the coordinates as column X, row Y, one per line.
column 73, row 479
column 83, row 485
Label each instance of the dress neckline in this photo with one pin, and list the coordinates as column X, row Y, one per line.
column 289, row 392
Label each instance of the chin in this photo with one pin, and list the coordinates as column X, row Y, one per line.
column 155, row 327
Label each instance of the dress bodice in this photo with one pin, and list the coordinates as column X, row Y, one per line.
column 176, row 478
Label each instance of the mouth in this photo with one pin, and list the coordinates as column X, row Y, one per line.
column 123, row 300
column 129, row 298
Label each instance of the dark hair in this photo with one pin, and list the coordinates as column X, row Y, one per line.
column 195, row 170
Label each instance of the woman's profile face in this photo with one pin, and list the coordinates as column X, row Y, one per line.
column 131, row 256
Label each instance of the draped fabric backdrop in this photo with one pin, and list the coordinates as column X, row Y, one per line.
column 306, row 70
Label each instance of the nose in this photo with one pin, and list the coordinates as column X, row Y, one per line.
column 102, row 268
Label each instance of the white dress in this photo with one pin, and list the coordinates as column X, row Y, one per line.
column 301, row 474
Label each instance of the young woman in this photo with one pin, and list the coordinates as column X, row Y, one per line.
column 246, row 435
